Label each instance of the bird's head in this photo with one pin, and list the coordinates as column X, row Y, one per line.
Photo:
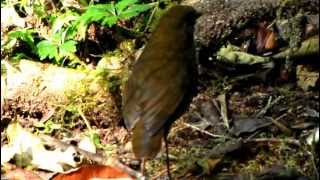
column 179, row 17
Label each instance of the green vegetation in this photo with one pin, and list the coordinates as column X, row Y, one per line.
column 110, row 14
column 54, row 31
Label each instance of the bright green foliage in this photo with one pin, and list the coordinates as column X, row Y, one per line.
column 65, row 24
column 60, row 45
column 68, row 27
column 56, row 48
column 110, row 14
column 68, row 47
column 47, row 49
column 47, row 127
column 100, row 12
column 25, row 35
column 63, row 21
column 39, row 10
column 127, row 9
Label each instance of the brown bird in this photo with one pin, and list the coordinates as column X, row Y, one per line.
column 160, row 82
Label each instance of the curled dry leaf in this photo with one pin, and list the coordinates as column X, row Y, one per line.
column 208, row 165
column 271, row 42
column 93, row 172
column 266, row 39
column 307, row 78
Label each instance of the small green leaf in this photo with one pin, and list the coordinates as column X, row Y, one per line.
column 134, row 11
column 15, row 34
column 39, row 10
column 97, row 13
column 121, row 5
column 63, row 20
column 96, row 139
column 19, row 56
column 109, row 14
column 25, row 35
column 110, row 21
column 56, row 38
column 47, row 49
column 81, row 30
column 68, row 47
column 71, row 31
column 21, row 34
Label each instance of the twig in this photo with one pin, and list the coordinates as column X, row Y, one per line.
column 84, row 119
column 216, row 105
column 100, row 159
column 269, row 105
column 151, row 16
column 205, row 132
column 314, row 164
column 290, row 141
column 253, row 135
column 159, row 174
column 281, row 126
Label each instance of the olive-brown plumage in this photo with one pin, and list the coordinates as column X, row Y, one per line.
column 159, row 81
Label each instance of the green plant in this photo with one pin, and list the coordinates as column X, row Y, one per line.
column 65, row 22
column 110, row 14
column 25, row 35
column 48, row 127
column 56, row 48
column 69, row 27
column 59, row 43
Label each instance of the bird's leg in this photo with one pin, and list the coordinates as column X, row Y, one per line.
column 167, row 154
column 142, row 166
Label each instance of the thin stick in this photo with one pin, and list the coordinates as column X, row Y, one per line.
column 281, row 126
column 314, row 164
column 167, row 158
column 205, row 132
column 290, row 141
column 84, row 119
column 142, row 166
column 151, row 16
column 268, row 106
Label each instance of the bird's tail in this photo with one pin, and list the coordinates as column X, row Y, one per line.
column 144, row 144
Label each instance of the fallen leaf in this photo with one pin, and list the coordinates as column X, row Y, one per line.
column 87, row 145
column 313, row 138
column 248, row 125
column 306, row 77
column 208, row 165
column 93, row 172
column 271, row 42
column 210, row 112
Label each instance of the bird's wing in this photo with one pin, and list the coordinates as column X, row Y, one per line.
column 153, row 94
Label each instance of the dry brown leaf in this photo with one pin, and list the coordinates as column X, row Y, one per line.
column 93, row 172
